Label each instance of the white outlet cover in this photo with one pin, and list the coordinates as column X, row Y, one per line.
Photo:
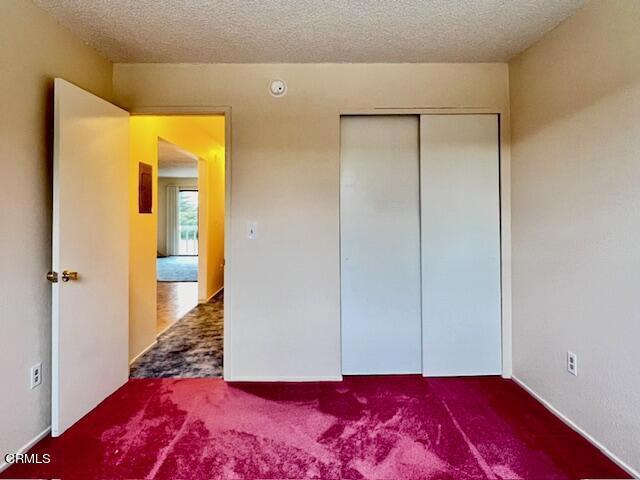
column 35, row 375
column 572, row 363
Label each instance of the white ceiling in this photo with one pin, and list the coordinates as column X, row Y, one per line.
column 271, row 31
column 176, row 162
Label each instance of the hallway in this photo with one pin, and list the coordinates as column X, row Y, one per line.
column 190, row 348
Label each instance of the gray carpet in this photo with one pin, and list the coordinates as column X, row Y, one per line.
column 176, row 268
column 191, row 348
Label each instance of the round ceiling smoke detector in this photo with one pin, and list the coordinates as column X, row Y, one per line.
column 277, row 88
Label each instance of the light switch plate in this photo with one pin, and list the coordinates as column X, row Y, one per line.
column 251, row 230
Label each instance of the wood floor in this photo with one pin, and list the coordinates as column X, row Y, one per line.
column 175, row 299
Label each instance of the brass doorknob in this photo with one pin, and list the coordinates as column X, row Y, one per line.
column 52, row 276
column 69, row 275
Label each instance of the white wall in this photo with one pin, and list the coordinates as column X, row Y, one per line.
column 576, row 221
column 33, row 50
column 163, row 182
column 282, row 291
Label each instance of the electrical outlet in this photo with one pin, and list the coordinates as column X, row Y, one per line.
column 36, row 375
column 572, row 363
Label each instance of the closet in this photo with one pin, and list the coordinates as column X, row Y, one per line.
column 420, row 244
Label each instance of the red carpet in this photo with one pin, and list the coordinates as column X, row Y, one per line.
column 365, row 427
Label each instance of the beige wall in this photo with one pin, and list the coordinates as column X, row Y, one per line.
column 576, row 223
column 204, row 137
column 33, row 50
column 163, row 182
column 282, row 289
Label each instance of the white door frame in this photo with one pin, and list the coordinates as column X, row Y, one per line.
column 183, row 111
column 505, row 205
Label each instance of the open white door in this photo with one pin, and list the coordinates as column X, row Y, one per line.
column 90, row 314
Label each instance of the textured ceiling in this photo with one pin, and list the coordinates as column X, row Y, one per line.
column 174, row 161
column 270, row 31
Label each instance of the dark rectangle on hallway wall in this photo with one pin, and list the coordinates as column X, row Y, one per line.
column 145, row 188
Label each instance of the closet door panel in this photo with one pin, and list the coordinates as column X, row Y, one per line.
column 380, row 245
column 460, row 244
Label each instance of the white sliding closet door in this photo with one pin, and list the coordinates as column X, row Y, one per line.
column 380, row 245
column 459, row 184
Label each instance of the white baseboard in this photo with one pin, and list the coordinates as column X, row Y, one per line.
column 228, row 378
column 211, row 296
column 27, row 446
column 153, row 344
column 570, row 423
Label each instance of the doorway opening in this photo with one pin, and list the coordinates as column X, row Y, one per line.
column 188, row 251
column 109, row 236
column 177, row 233
column 188, row 222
